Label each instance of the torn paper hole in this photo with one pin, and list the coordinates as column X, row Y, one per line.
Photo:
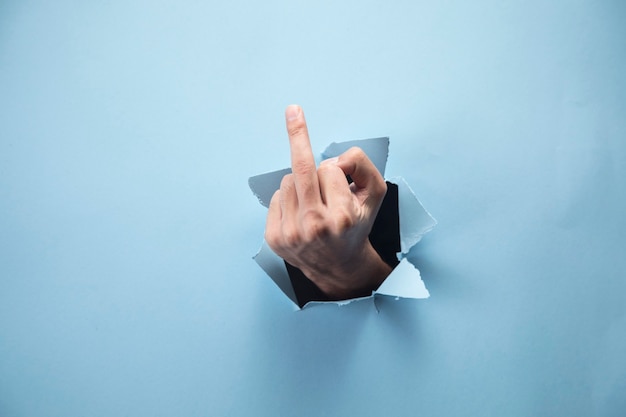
column 405, row 280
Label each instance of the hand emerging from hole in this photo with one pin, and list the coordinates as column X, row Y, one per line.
column 320, row 223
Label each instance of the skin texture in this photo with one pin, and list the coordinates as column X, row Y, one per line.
column 320, row 224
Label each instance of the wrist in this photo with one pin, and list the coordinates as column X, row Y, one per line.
column 361, row 274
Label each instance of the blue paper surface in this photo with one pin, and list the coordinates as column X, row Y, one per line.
column 128, row 131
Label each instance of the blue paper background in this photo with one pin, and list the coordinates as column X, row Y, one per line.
column 128, row 130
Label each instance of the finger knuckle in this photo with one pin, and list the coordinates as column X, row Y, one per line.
column 271, row 237
column 296, row 128
column 328, row 171
column 317, row 231
column 343, row 221
column 314, row 225
column 356, row 153
column 302, row 167
column 381, row 187
column 292, row 238
column 324, row 169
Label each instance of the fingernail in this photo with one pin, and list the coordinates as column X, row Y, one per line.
column 332, row 161
column 292, row 112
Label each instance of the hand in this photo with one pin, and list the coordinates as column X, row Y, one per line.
column 320, row 223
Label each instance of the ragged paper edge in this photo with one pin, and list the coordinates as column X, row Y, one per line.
column 376, row 149
column 415, row 220
column 274, row 266
column 264, row 186
column 405, row 280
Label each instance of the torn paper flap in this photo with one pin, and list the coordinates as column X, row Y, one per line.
column 265, row 185
column 404, row 281
column 274, row 266
column 376, row 149
column 415, row 221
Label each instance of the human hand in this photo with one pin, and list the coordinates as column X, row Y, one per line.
column 320, row 223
